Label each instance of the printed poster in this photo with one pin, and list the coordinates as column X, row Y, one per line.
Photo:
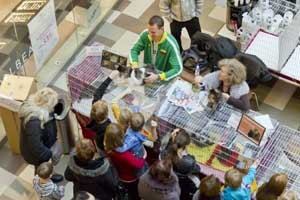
column 43, row 33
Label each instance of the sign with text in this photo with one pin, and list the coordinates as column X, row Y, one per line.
column 43, row 33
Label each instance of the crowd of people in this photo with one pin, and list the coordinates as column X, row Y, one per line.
column 112, row 164
column 110, row 161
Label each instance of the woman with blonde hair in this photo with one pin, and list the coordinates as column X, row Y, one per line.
column 38, row 129
column 231, row 81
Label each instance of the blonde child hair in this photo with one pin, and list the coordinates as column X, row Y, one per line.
column 99, row 111
column 233, row 178
column 113, row 137
column 137, row 121
column 124, row 118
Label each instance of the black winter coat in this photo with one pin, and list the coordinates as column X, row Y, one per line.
column 97, row 177
column 99, row 130
column 183, row 168
column 35, row 142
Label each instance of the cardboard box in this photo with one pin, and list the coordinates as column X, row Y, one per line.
column 13, row 91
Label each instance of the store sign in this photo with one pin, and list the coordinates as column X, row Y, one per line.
column 43, row 33
column 19, row 57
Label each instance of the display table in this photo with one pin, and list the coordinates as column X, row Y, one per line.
column 216, row 144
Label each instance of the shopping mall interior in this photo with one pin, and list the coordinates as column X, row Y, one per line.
column 117, row 26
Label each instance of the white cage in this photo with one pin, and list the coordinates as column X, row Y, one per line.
column 281, row 154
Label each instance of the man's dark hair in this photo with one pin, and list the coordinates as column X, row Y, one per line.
column 156, row 20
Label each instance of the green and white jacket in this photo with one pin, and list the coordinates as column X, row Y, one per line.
column 168, row 59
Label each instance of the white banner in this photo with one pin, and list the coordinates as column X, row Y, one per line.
column 43, row 33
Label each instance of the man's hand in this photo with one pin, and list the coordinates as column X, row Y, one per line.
column 151, row 78
column 114, row 74
column 134, row 65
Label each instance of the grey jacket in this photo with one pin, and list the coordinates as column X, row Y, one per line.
column 150, row 189
column 181, row 10
column 238, row 93
column 48, row 191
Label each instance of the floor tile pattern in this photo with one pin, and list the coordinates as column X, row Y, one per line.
column 119, row 32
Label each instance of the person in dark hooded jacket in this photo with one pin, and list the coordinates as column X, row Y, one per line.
column 96, row 176
column 184, row 164
column 159, row 182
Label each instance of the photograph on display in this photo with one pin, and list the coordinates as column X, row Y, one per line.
column 114, row 62
column 252, row 130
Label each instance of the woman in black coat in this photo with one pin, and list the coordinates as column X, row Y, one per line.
column 96, row 176
column 38, row 127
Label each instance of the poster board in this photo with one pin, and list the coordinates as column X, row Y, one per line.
column 252, row 130
column 43, row 33
column 16, row 87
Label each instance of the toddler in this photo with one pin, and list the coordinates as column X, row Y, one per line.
column 238, row 187
column 43, row 185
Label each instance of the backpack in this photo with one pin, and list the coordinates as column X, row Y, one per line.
column 226, row 48
column 214, row 48
column 257, row 71
column 192, row 57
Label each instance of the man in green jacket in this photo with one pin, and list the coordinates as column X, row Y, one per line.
column 160, row 49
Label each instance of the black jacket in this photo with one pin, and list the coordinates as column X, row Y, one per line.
column 97, row 177
column 35, row 142
column 183, row 168
column 99, row 129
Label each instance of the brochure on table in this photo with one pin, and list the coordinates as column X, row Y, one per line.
column 181, row 94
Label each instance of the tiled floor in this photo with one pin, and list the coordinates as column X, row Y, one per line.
column 119, row 32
